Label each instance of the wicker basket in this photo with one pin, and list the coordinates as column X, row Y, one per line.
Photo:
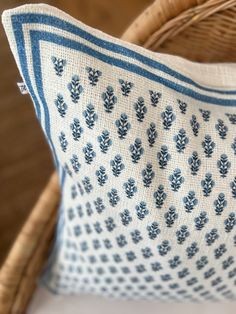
column 200, row 30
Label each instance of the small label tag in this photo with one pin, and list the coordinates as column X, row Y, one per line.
column 22, row 87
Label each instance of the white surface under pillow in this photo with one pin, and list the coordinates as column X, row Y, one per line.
column 44, row 302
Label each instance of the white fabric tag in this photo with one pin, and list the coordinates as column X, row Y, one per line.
column 23, row 88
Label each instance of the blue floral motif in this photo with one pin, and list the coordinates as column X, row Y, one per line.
column 159, row 196
column 109, row 99
column 232, row 117
column 233, row 187
column 99, row 205
column 89, row 153
column 176, row 180
column 181, row 140
column 104, row 141
column 110, row 224
column 148, row 175
column 75, row 88
column 61, row 105
column 202, row 262
column 87, row 184
column 163, row 157
column 123, row 126
column 152, row 134
column 192, row 250
column 207, row 184
column 205, row 114
column 201, row 220
column 130, row 188
column 76, row 129
column 182, row 234
column 208, row 146
column 222, row 129
column 171, row 216
column 101, row 176
column 174, row 262
column 59, row 65
column 136, row 236
column 141, row 210
column 63, row 141
column 93, row 75
column 194, row 163
column 220, row 203
column 125, row 217
column 113, row 197
column 168, row 117
column 75, row 163
column 153, row 230
column 182, row 106
column 230, row 222
column 90, row 116
column 164, row 248
column 154, row 97
column 125, row 87
column 211, row 236
column 220, row 251
column 190, row 201
column 223, row 164
column 140, row 109
column 195, row 125
column 136, row 150
column 117, row 165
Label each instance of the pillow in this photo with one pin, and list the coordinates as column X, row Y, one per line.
column 145, row 147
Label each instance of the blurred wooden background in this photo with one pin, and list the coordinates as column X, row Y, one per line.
column 25, row 161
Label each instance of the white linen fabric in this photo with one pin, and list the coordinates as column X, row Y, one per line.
column 145, row 147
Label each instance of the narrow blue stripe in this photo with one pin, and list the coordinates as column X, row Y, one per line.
column 56, row 22
column 69, row 43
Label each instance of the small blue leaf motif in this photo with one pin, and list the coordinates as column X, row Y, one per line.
column 87, row 184
column 208, row 146
column 194, row 163
column 89, row 153
column 123, row 126
column 223, row 164
column 136, row 150
column 176, row 180
column 121, row 240
column 117, row 165
column 140, row 109
column 125, row 87
column 168, row 117
column 109, row 99
column 61, row 105
column 195, row 125
column 211, row 236
column 231, row 117
column 182, row 106
column 233, row 187
column 220, row 251
column 90, row 116
column 154, row 97
column 99, row 205
column 233, row 146
column 75, row 88
column 164, row 248
column 130, row 188
column 207, row 184
column 171, row 216
column 75, row 163
column 148, row 175
column 201, row 220
column 104, row 141
column 228, row 262
column 205, row 114
column 174, row 262
column 93, row 75
column 113, row 197
column 181, row 140
column 125, row 217
column 182, row 234
column 163, row 157
column 153, row 230
column 159, row 196
column 141, row 210
column 77, row 130
column 190, row 201
column 101, row 176
column 110, row 224
column 230, row 222
column 152, row 134
column 220, row 204
column 136, row 236
column 63, row 141
column 222, row 129
column 192, row 250
column 59, row 65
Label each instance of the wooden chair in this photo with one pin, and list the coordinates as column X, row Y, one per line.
column 200, row 30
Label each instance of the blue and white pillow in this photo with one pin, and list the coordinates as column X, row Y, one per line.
column 145, row 146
